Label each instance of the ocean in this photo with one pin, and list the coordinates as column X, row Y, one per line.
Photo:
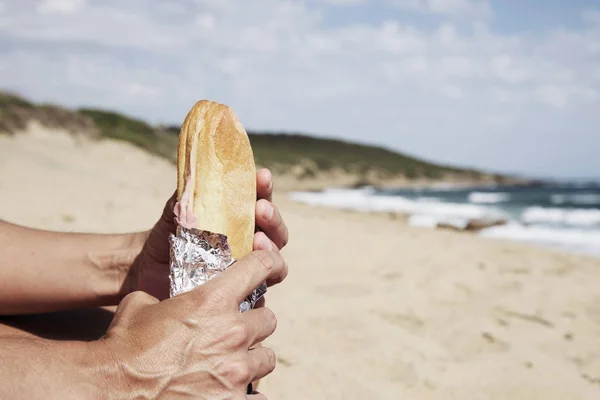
column 562, row 216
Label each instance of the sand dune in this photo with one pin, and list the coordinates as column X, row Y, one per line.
column 372, row 308
column 54, row 180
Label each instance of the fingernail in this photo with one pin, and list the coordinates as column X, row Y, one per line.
column 268, row 210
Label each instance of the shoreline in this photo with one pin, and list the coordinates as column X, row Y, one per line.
column 291, row 183
column 403, row 219
column 491, row 215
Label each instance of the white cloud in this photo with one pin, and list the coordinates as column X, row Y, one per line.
column 504, row 68
column 592, row 16
column 444, row 93
column 458, row 66
column 497, row 120
column 341, row 2
column 448, row 7
column 393, row 38
column 555, row 96
column 60, row 6
column 464, row 8
column 452, row 91
column 458, row 6
column 206, row 21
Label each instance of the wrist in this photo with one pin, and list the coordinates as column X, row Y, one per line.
column 129, row 281
column 91, row 375
column 115, row 269
column 102, row 369
column 115, row 372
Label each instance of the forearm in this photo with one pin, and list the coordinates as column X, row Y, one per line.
column 44, row 369
column 42, row 271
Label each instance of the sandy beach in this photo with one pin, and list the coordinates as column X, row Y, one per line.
column 372, row 308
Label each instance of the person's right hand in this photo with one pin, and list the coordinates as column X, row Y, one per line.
column 197, row 344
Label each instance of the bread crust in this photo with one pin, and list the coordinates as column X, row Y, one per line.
column 215, row 155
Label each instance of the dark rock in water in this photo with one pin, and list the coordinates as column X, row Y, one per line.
column 477, row 225
column 452, row 227
column 474, row 225
column 360, row 184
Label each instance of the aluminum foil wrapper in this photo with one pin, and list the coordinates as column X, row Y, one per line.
column 197, row 256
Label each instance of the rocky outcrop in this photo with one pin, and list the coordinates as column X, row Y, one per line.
column 474, row 225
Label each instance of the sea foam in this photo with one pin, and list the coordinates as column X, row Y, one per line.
column 573, row 239
column 561, row 216
column 427, row 209
column 488, row 198
column 568, row 229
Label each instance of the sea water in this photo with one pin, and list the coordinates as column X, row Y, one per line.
column 563, row 216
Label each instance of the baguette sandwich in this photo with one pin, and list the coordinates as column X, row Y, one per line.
column 216, row 180
column 216, row 176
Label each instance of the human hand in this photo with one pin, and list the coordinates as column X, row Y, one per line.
column 150, row 270
column 196, row 344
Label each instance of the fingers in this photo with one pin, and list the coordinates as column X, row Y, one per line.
column 264, row 184
column 168, row 215
column 269, row 220
column 262, row 242
column 245, row 275
column 261, row 323
column 262, row 362
column 157, row 243
column 130, row 304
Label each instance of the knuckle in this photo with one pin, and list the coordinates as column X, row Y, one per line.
column 243, row 373
column 236, row 372
column 215, row 298
column 139, row 297
column 238, row 334
column 279, row 225
column 265, row 259
column 281, row 273
column 276, row 219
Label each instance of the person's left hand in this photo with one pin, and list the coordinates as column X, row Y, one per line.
column 150, row 270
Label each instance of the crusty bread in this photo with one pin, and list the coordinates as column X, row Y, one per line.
column 215, row 155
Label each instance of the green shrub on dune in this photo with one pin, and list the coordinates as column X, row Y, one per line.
column 304, row 154
column 117, row 126
column 291, row 149
column 9, row 99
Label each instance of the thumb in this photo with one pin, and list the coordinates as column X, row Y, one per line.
column 167, row 219
column 157, row 243
column 129, row 305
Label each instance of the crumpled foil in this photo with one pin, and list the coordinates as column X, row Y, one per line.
column 197, row 256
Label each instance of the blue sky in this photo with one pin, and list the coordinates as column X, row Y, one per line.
column 508, row 16
column 504, row 85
